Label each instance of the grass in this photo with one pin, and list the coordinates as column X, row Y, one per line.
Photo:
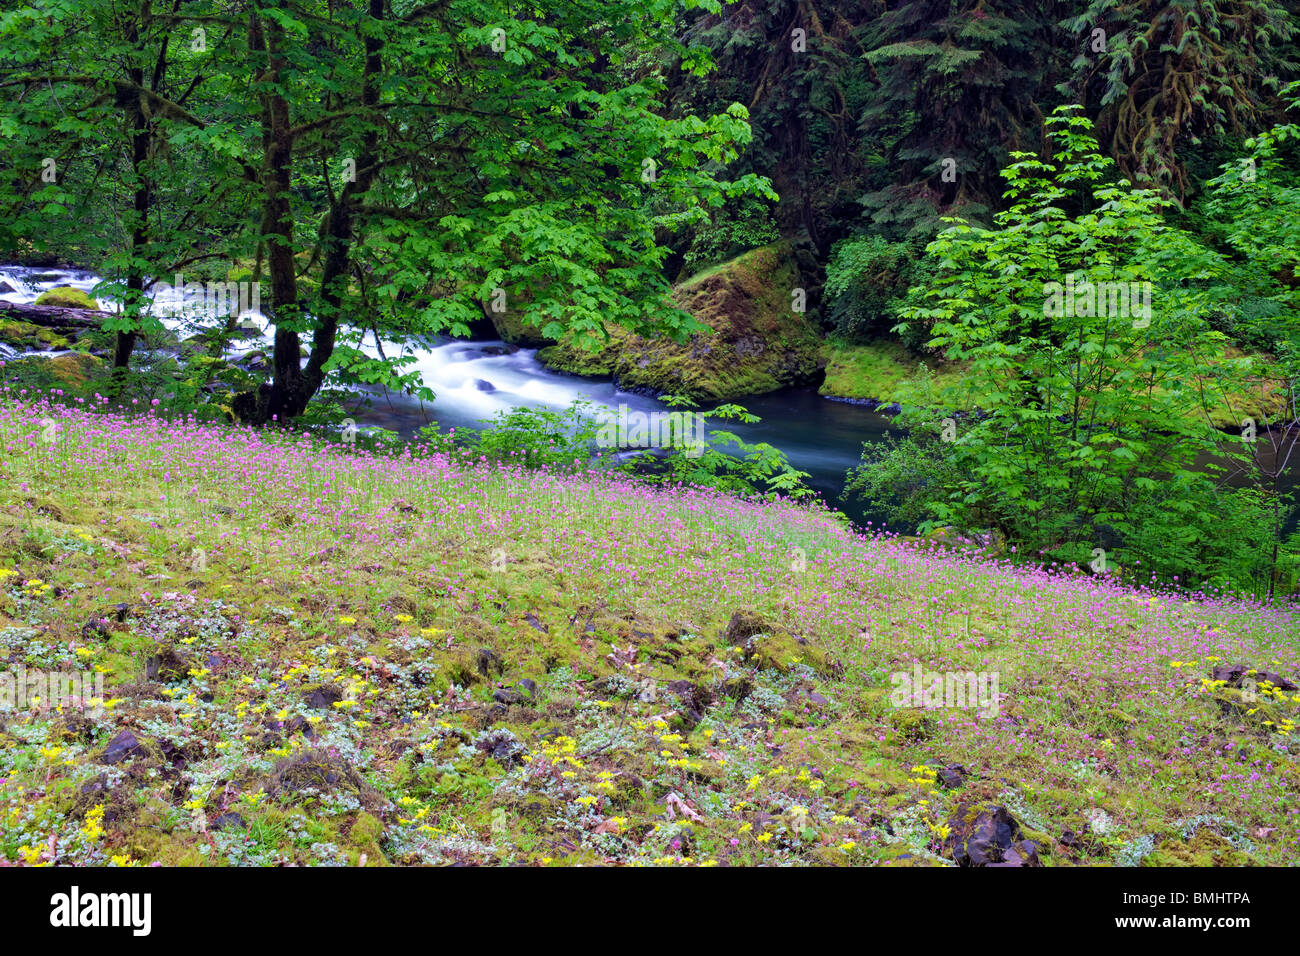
column 329, row 656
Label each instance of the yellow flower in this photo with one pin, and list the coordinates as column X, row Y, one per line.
column 403, row 618
column 346, row 620
column 764, row 837
column 93, row 828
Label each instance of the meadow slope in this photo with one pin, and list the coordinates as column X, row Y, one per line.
column 320, row 655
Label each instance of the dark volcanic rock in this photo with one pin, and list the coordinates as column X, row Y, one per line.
column 742, row 626
column 487, row 662
column 989, row 837
column 167, row 665
column 952, row 777
column 323, row 698
column 125, row 746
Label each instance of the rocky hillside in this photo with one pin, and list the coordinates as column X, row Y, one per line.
column 318, row 655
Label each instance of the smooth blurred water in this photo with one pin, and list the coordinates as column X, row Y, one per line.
column 474, row 381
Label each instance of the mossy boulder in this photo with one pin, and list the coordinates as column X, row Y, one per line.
column 911, row 723
column 364, row 836
column 308, row 774
column 758, row 342
column 881, row 371
column 768, row 645
column 66, row 297
column 73, row 372
column 31, row 338
column 75, row 368
column 781, row 651
column 512, row 327
column 1205, row 847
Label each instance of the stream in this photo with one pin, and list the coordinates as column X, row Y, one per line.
column 476, row 380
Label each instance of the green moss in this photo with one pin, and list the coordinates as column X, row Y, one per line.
column 899, row 854
column 66, row 297
column 758, row 342
column 513, row 328
column 27, row 336
column 880, row 369
column 365, row 836
column 780, row 651
column 73, row 372
column 1205, row 848
column 911, row 724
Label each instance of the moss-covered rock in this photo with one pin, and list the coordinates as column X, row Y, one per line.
column 768, row 645
column 73, row 372
column 882, row 369
column 1204, row 848
column 74, row 369
column 911, row 723
column 66, row 297
column 758, row 344
column 30, row 338
column 781, row 650
column 511, row 327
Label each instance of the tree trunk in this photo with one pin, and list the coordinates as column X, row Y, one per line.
column 53, row 316
column 292, row 386
column 287, row 395
column 143, row 199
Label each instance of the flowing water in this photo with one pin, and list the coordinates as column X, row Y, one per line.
column 474, row 381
